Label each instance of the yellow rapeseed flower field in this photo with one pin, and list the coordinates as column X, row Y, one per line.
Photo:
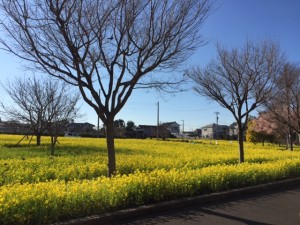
column 38, row 189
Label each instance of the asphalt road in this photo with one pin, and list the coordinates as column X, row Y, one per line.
column 276, row 208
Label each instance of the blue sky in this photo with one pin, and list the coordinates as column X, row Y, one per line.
column 232, row 24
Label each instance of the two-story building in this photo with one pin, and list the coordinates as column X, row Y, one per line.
column 215, row 131
column 173, row 128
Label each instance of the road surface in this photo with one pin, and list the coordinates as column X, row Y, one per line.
column 276, row 208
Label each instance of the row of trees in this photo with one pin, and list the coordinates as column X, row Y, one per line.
column 109, row 48
column 45, row 105
column 280, row 117
column 105, row 48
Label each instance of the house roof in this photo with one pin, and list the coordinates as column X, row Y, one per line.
column 234, row 124
column 147, row 126
column 79, row 127
column 170, row 124
column 209, row 125
column 214, row 125
column 80, row 124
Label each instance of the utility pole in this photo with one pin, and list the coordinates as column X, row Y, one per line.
column 217, row 118
column 157, row 131
column 182, row 126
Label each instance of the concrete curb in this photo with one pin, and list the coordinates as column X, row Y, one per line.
column 114, row 217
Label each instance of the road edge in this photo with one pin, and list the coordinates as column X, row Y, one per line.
column 145, row 210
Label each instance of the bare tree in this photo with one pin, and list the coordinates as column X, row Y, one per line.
column 285, row 106
column 240, row 80
column 41, row 103
column 61, row 109
column 106, row 48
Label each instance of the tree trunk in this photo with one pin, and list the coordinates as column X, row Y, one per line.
column 52, row 145
column 38, row 139
column 110, row 142
column 241, row 145
column 291, row 142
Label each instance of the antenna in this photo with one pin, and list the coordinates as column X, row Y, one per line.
column 217, row 116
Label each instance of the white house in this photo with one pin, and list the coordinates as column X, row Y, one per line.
column 216, row 131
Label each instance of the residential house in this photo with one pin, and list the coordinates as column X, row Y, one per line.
column 233, row 131
column 80, row 129
column 173, row 128
column 150, row 131
column 14, row 127
column 165, row 130
column 198, row 132
column 215, row 131
column 144, row 131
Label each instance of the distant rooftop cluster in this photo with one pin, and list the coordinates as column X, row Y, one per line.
column 164, row 130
